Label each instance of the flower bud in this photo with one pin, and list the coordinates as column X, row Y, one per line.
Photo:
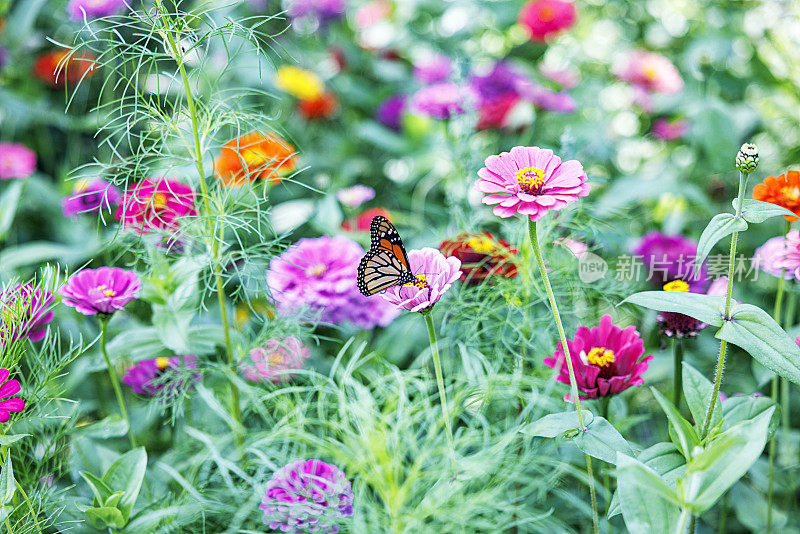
column 747, row 158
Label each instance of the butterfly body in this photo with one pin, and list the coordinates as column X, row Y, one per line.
column 386, row 263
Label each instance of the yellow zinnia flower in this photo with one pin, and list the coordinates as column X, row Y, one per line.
column 300, row 83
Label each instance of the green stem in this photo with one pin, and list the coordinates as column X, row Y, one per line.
column 437, row 367
column 112, row 374
column 212, row 231
column 723, row 346
column 532, row 231
column 677, row 350
column 776, row 314
column 30, row 507
column 686, row 516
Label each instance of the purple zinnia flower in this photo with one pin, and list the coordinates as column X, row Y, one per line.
column 307, row 496
column 543, row 98
column 146, row 377
column 16, row 161
column 356, row 195
column 433, row 68
column 607, row 359
column 25, row 312
column 671, row 257
column 322, row 12
column 434, row 273
column 390, row 112
column 442, row 100
column 92, row 9
column 104, row 290
column 8, row 403
column 320, row 274
column 272, row 361
column 90, row 196
column 499, row 82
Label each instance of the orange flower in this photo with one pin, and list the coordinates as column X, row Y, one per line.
column 50, row 67
column 783, row 190
column 255, row 155
column 321, row 107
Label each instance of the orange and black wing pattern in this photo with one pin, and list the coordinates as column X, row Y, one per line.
column 386, row 263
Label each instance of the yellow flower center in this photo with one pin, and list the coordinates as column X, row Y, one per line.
column 162, row 363
column 600, row 356
column 107, row 292
column 650, row 74
column 547, row 13
column 790, row 193
column 530, row 180
column 421, row 282
column 481, row 244
column 158, row 200
column 81, row 185
column 318, row 270
column 677, row 285
column 275, row 358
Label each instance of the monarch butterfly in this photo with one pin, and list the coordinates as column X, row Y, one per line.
column 385, row 264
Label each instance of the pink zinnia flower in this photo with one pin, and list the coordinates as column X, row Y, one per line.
column 669, row 130
column 434, row 273
column 652, row 72
column 433, row 68
column 442, row 100
column 356, row 195
column 16, row 161
column 24, row 312
column 150, row 206
column 273, row 361
column 7, row 402
column 545, row 18
column 771, row 257
column 104, row 290
column 791, row 259
column 566, row 78
column 607, row 359
column 530, row 181
column 90, row 196
column 543, row 98
column 92, row 9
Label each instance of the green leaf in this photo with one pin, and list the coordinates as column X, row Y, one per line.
column 648, row 503
column 751, row 509
column 681, row 430
column 8, row 206
column 697, row 390
column 7, row 483
column 704, row 308
column 755, row 211
column 752, row 329
column 720, row 226
column 127, row 474
column 100, row 489
column 172, row 327
column 8, row 439
column 601, row 440
column 102, row 518
column 744, row 407
column 113, row 426
column 724, row 461
column 555, row 424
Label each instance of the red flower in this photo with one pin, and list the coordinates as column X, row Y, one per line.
column 494, row 112
column 364, row 219
column 482, row 255
column 320, row 107
column 150, row 206
column 54, row 69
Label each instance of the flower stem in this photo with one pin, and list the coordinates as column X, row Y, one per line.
column 776, row 314
column 437, row 367
column 112, row 374
column 723, row 346
column 532, row 231
column 677, row 350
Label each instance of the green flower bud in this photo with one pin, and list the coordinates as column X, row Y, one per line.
column 747, row 158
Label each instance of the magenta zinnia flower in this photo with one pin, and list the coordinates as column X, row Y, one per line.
column 433, row 68
column 271, row 361
column 650, row 71
column 319, row 274
column 307, row 496
column 669, row 130
column 7, row 402
column 442, row 100
column 25, row 312
column 545, row 18
column 356, row 195
column 104, row 290
column 151, row 206
column 90, row 196
column 434, row 272
column 530, row 181
column 607, row 359
column 150, row 377
column 16, row 161
column 92, row 9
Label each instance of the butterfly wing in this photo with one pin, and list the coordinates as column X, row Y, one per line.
column 379, row 270
column 384, row 236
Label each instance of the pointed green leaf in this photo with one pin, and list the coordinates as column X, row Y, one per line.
column 740, row 408
column 555, row 424
column 127, row 474
column 8, row 439
column 681, row 430
column 7, row 483
column 704, row 308
column 601, row 440
column 755, row 211
column 99, row 488
column 649, row 505
column 102, row 518
column 752, row 329
column 697, row 390
column 721, row 225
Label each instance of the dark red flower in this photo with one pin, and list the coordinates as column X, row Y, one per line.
column 50, row 67
column 482, row 255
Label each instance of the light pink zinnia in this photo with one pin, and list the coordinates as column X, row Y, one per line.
column 607, row 359
column 273, row 361
column 530, row 181
column 791, row 260
column 16, row 161
column 652, row 72
column 669, row 130
column 356, row 195
column 434, row 273
column 771, row 257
